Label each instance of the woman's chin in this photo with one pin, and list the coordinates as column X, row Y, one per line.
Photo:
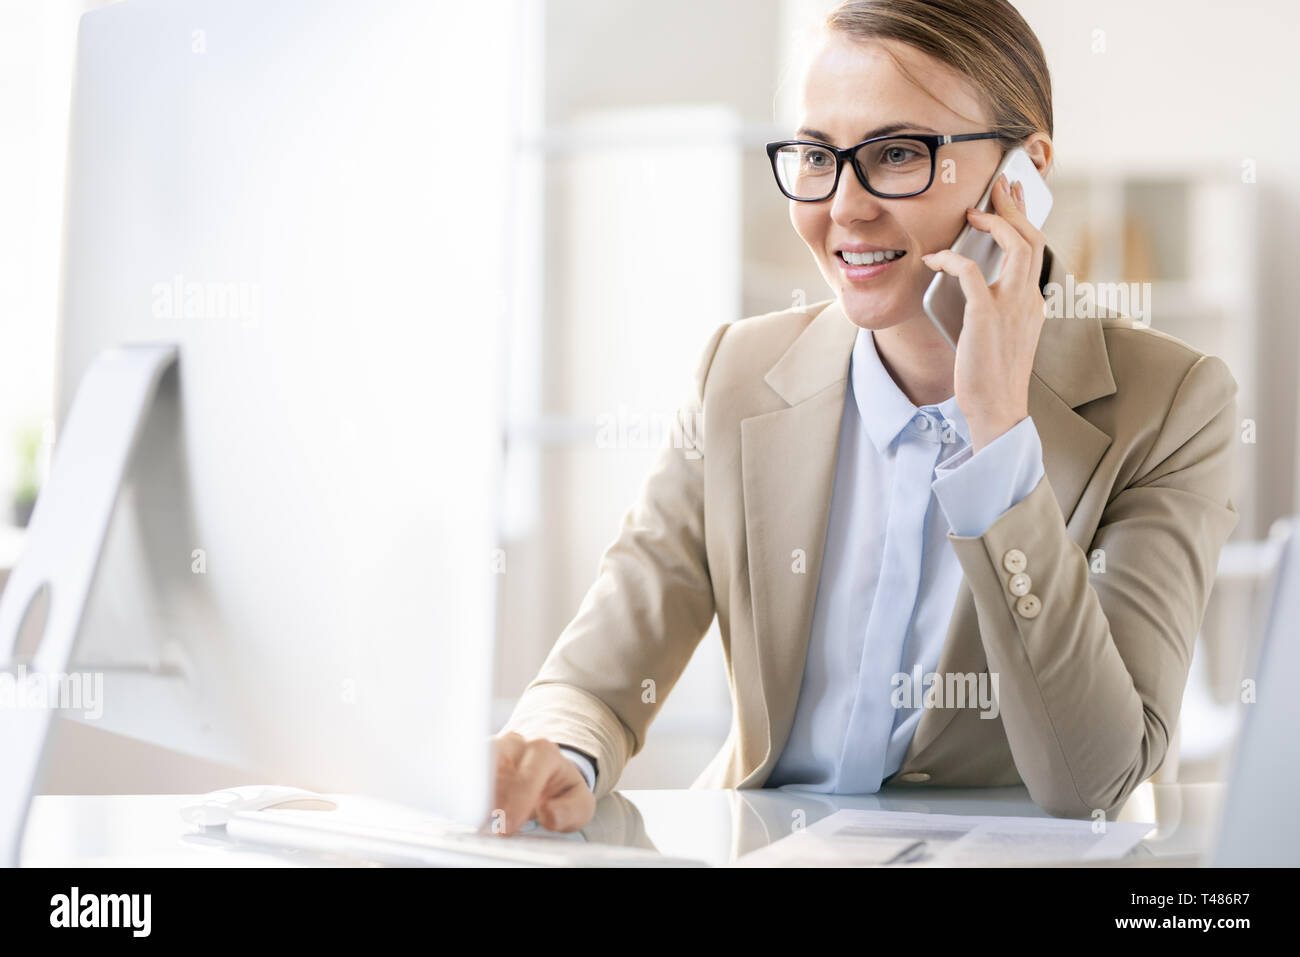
column 870, row 310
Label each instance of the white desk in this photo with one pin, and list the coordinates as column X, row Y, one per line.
column 717, row 826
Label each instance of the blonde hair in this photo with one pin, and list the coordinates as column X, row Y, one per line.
column 987, row 41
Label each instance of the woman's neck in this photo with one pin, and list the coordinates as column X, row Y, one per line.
column 918, row 360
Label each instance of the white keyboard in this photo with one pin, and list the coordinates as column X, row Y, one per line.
column 333, row 832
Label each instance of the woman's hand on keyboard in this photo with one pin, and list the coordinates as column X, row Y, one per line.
column 534, row 780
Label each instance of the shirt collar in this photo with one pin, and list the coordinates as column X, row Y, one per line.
column 884, row 409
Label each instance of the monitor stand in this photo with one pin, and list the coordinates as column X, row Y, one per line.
column 65, row 538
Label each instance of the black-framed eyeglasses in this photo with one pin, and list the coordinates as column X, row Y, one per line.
column 890, row 167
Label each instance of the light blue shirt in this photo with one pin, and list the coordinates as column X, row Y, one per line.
column 886, row 540
column 584, row 766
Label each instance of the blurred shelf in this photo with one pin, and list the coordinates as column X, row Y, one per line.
column 1193, row 235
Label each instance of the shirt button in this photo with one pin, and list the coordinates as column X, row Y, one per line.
column 1014, row 561
column 1028, row 606
column 923, row 422
column 1019, row 584
column 914, row 777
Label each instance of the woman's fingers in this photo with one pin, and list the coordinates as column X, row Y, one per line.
column 1010, row 205
column 1004, row 225
column 520, row 788
column 509, row 747
column 966, row 272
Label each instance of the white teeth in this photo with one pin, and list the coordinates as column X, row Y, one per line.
column 866, row 259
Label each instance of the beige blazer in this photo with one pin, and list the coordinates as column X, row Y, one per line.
column 1120, row 541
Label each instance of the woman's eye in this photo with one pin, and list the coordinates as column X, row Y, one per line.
column 897, row 154
column 815, row 160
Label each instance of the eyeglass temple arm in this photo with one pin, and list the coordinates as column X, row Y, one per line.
column 963, row 137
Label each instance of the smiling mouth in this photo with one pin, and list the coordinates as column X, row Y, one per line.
column 870, row 259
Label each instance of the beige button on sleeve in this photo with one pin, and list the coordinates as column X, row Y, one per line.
column 1028, row 606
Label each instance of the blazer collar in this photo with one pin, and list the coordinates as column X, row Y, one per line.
column 1071, row 359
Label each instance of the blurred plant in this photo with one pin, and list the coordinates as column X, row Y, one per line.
column 28, row 483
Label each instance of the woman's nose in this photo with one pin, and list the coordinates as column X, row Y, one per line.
column 851, row 200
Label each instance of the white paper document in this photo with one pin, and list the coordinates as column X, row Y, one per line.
column 911, row 839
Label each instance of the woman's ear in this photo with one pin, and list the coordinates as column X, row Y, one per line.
column 1039, row 148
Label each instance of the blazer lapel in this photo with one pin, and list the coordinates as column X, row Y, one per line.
column 788, row 460
column 788, row 471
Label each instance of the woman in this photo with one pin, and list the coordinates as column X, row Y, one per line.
column 1034, row 521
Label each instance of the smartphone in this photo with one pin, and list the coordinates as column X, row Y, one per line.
column 944, row 302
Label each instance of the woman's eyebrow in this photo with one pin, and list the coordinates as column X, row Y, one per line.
column 810, row 133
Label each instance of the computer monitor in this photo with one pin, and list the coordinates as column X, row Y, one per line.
column 1258, row 826
column 312, row 201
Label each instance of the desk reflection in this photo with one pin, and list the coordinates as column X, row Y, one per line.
column 721, row 826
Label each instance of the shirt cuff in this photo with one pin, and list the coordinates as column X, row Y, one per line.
column 975, row 488
column 584, row 764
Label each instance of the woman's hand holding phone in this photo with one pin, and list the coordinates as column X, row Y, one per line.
column 1002, row 321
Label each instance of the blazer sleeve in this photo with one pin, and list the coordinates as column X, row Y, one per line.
column 612, row 667
column 1090, row 681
